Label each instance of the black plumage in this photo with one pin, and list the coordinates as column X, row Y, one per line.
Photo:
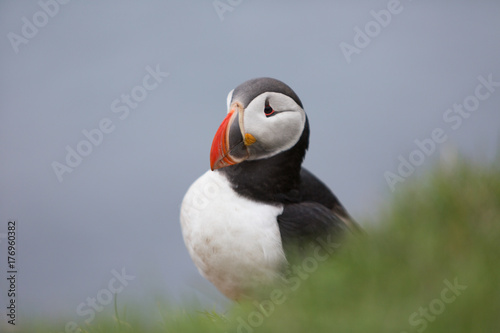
column 310, row 210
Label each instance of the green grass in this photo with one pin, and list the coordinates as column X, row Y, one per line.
column 442, row 227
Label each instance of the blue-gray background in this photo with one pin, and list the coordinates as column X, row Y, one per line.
column 120, row 206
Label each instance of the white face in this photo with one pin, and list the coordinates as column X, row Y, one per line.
column 277, row 131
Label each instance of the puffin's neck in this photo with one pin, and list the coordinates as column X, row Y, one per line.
column 275, row 179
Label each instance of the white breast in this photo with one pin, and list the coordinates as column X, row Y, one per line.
column 235, row 242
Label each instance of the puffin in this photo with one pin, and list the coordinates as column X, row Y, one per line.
column 257, row 208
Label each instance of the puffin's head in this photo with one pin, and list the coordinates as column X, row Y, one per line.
column 264, row 118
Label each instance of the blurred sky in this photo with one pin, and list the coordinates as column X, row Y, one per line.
column 119, row 208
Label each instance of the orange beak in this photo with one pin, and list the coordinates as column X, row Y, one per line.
column 230, row 144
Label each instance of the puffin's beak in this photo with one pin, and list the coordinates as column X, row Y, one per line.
column 230, row 144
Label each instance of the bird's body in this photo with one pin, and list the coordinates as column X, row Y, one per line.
column 242, row 220
column 226, row 251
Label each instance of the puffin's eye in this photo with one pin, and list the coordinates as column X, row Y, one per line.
column 268, row 110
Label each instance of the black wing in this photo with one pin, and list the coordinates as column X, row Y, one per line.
column 314, row 190
column 319, row 215
column 303, row 225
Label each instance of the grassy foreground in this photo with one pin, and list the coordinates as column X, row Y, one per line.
column 431, row 263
